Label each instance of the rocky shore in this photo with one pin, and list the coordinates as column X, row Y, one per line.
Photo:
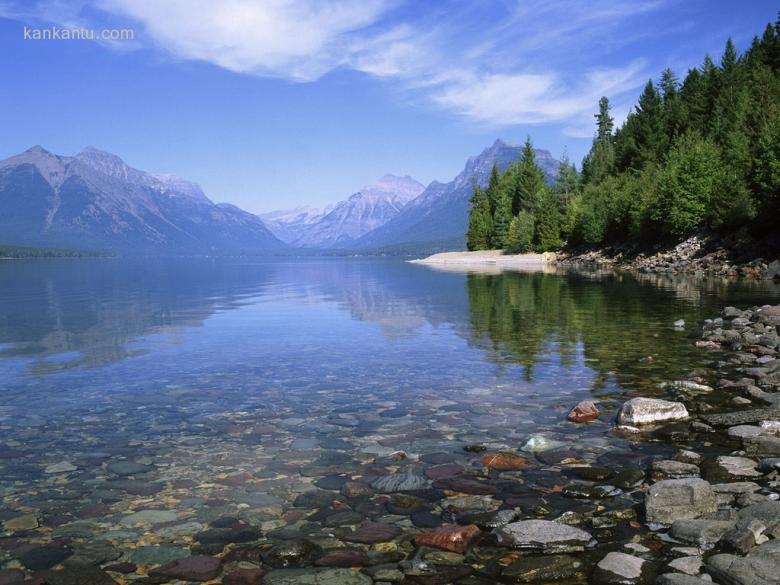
column 685, row 493
column 736, row 256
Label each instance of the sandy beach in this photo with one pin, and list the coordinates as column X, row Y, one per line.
column 488, row 260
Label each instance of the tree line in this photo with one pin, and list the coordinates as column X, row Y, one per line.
column 701, row 153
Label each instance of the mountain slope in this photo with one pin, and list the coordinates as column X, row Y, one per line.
column 440, row 214
column 289, row 224
column 95, row 200
column 341, row 224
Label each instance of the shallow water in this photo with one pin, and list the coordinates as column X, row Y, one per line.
column 236, row 384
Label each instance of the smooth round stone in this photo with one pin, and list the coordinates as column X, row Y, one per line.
column 343, row 518
column 331, row 482
column 197, row 568
column 343, row 558
column 452, row 538
column 296, row 553
column 403, row 504
column 127, row 468
column 593, row 473
column 443, row 471
column 158, row 555
column 315, row 499
column 425, row 519
column 44, row 557
column 149, row 517
column 316, row 577
column 21, row 523
column 504, row 461
column 399, row 482
column 438, row 458
column 549, row 568
column 373, row 532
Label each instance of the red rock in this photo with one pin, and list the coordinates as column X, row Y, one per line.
column 585, row 411
column 244, row 577
column 343, row 558
column 503, row 461
column 197, row 568
column 372, row 532
column 452, row 537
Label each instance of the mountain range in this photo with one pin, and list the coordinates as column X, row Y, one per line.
column 93, row 200
column 344, row 223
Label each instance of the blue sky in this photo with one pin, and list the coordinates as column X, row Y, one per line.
column 276, row 103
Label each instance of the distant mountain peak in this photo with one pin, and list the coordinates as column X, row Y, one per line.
column 37, row 149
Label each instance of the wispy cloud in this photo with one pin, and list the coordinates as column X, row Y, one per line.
column 494, row 62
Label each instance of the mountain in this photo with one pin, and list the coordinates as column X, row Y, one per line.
column 438, row 217
column 95, row 200
column 348, row 220
column 289, row 224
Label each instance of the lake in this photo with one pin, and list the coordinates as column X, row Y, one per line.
column 144, row 400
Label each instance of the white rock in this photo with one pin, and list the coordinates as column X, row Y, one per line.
column 643, row 411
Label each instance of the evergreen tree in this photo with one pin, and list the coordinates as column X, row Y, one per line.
column 547, row 235
column 480, row 228
column 520, row 238
column 600, row 161
column 528, row 181
column 688, row 184
column 565, row 188
column 502, row 217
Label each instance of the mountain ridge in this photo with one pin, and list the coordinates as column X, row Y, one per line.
column 95, row 199
column 440, row 213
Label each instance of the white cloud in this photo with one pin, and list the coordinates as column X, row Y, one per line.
column 513, row 67
column 504, row 99
column 298, row 39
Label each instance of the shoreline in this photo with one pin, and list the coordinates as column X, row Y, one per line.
column 489, row 258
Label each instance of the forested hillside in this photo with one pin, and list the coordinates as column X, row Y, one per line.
column 701, row 153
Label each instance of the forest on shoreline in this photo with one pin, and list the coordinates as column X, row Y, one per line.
column 703, row 153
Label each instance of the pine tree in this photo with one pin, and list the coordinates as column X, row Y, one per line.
column 502, row 217
column 528, row 181
column 480, row 225
column 600, row 161
column 565, row 187
column 520, row 238
column 547, row 235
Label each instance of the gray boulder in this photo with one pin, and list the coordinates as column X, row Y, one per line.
column 679, row 499
column 646, row 411
column 619, row 568
column 543, row 536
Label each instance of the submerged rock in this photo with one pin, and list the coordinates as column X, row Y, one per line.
column 504, row 461
column 644, row 411
column 545, row 569
column 399, row 482
column 316, row 577
column 453, row 538
column 197, row 568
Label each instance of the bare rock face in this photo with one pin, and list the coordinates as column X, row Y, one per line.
column 543, row 536
column 646, row 411
column 585, row 411
column 679, row 499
